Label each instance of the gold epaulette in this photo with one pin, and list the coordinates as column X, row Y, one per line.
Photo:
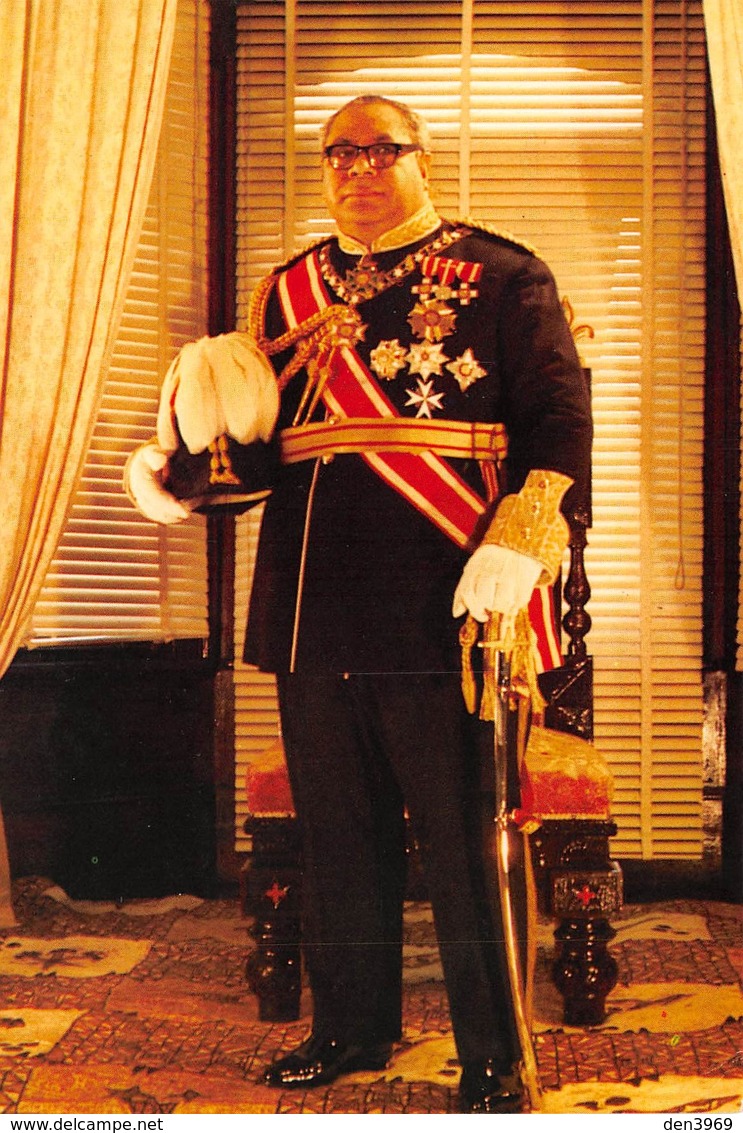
column 492, row 230
column 297, row 256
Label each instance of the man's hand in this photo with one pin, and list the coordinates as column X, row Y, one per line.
column 496, row 580
column 523, row 546
column 144, row 473
column 214, row 386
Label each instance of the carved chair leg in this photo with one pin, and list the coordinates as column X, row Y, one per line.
column 273, row 972
column 584, row 971
column 581, row 887
column 273, row 897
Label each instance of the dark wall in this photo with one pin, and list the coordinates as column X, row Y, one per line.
column 107, row 778
column 732, row 803
column 722, row 499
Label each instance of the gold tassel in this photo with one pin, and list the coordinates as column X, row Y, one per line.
column 519, row 646
column 491, row 644
column 523, row 665
column 468, row 635
column 220, row 463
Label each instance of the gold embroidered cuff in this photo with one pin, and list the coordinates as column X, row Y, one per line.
column 531, row 522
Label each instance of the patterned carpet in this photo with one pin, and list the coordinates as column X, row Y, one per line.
column 143, row 1008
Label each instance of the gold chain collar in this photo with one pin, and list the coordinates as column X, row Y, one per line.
column 365, row 280
column 336, row 324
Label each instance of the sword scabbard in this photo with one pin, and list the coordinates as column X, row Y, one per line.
column 502, row 735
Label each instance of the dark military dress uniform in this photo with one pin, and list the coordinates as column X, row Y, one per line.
column 372, row 715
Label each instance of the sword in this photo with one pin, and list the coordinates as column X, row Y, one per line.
column 500, row 667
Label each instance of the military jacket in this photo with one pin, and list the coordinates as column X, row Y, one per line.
column 377, row 576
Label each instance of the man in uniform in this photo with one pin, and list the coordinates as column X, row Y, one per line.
column 410, row 352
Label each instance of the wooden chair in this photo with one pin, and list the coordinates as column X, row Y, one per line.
column 577, row 883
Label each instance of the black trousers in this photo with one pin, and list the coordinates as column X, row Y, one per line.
column 360, row 749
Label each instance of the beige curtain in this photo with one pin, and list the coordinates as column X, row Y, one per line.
column 81, row 99
column 723, row 22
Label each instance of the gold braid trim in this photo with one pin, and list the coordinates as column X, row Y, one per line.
column 317, row 336
column 493, row 230
column 531, row 522
column 305, row 250
column 257, row 310
column 257, row 320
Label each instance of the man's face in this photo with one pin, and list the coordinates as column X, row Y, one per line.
column 366, row 202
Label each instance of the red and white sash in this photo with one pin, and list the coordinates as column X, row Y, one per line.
column 426, row 480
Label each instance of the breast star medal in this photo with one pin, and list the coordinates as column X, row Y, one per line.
column 426, row 358
column 432, row 320
column 466, row 369
column 387, row 359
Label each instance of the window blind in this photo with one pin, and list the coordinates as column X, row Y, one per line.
column 579, row 127
column 116, row 576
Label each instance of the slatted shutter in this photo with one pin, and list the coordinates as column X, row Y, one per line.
column 671, row 445
column 116, row 576
column 580, row 127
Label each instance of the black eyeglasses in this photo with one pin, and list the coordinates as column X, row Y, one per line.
column 381, row 155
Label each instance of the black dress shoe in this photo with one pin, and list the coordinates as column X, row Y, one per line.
column 484, row 1088
column 320, row 1060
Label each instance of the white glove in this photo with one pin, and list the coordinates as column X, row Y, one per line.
column 217, row 385
column 144, row 473
column 496, row 580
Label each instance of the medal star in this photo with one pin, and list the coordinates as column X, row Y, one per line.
column 424, row 398
column 387, row 359
column 426, row 358
column 346, row 331
column 363, row 280
column 363, row 275
column 432, row 320
column 466, row 369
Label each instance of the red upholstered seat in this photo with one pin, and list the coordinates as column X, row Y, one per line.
column 267, row 784
column 561, row 777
